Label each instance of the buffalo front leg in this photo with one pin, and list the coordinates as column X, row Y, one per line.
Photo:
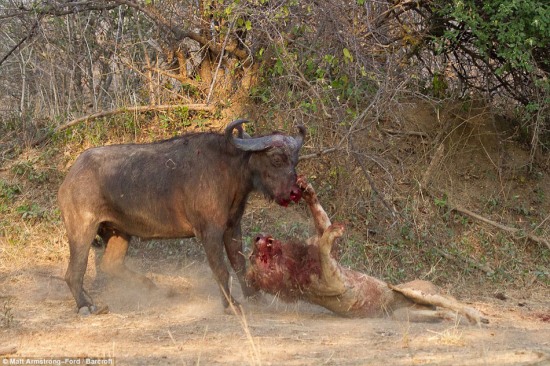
column 212, row 242
column 112, row 262
column 232, row 240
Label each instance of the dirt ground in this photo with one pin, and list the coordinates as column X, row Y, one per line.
column 182, row 323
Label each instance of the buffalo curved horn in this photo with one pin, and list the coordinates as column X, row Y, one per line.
column 300, row 139
column 261, row 143
column 237, row 124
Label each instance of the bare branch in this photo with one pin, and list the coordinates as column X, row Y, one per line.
column 459, row 258
column 145, row 108
column 508, row 229
column 181, row 34
column 112, row 112
column 405, row 133
column 62, row 8
column 436, row 160
column 319, row 153
column 15, row 47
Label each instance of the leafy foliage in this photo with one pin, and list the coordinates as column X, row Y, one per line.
column 510, row 42
column 516, row 32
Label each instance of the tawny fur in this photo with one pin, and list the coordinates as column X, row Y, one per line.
column 308, row 271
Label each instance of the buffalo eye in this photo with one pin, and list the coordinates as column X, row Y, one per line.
column 277, row 161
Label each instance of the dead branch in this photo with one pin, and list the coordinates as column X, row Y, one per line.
column 29, row 35
column 518, row 232
column 180, row 78
column 436, row 160
column 60, row 9
column 181, row 34
column 319, row 153
column 219, row 62
column 405, row 133
column 112, row 112
column 135, row 109
column 143, row 108
column 508, row 229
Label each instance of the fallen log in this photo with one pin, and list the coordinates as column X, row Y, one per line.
column 306, row 270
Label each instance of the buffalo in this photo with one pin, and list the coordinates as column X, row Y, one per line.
column 194, row 185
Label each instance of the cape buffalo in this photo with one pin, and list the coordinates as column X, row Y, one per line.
column 193, row 185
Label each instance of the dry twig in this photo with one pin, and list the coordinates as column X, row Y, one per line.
column 405, row 133
column 508, row 229
column 436, row 160
column 112, row 112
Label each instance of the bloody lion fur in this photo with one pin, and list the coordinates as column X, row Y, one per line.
column 285, row 269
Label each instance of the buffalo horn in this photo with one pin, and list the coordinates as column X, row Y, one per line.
column 300, row 139
column 260, row 143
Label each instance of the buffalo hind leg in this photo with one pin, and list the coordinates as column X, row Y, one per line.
column 80, row 242
column 112, row 262
column 232, row 239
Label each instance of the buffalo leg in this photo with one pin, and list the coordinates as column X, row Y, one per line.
column 80, row 242
column 112, row 262
column 232, row 239
column 211, row 240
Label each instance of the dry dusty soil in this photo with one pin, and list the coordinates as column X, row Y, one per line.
column 183, row 323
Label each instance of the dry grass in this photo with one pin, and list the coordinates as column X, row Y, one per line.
column 254, row 352
column 453, row 336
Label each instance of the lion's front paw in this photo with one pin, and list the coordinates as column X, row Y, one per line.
column 307, row 189
column 336, row 230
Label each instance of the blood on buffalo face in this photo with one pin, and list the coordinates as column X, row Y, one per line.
column 275, row 172
column 272, row 162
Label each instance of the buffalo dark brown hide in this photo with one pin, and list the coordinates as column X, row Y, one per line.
column 196, row 184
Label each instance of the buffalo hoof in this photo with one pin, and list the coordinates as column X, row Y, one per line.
column 92, row 309
column 86, row 310
column 150, row 285
column 235, row 309
column 257, row 299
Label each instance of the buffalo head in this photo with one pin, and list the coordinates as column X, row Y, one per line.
column 272, row 162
